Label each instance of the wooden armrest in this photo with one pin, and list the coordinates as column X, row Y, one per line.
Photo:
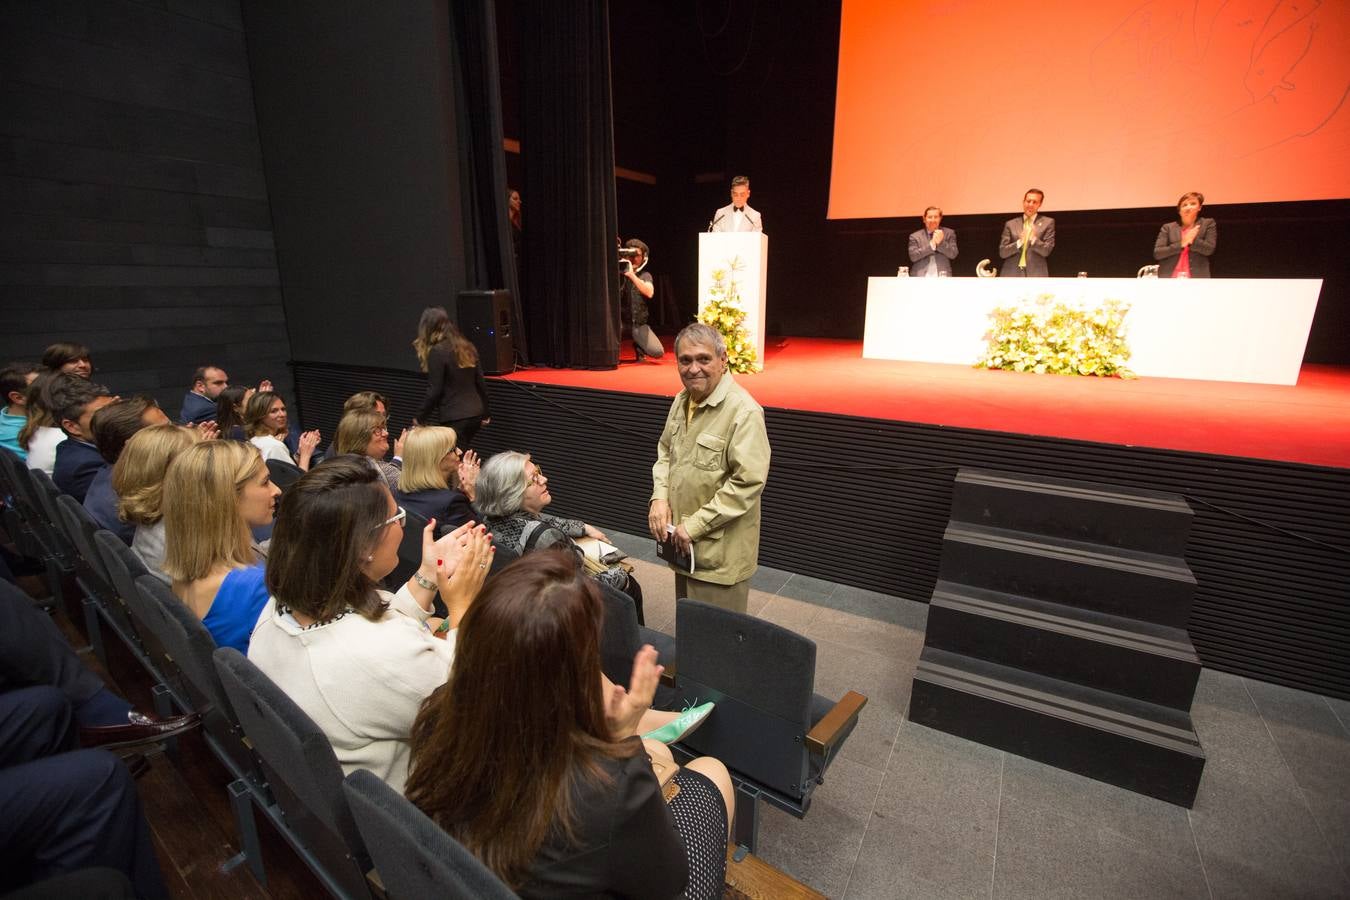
column 668, row 676
column 820, row 739
column 752, row 877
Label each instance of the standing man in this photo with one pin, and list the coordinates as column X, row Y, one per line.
column 738, row 215
column 932, row 248
column 199, row 404
column 711, row 465
column 1028, row 240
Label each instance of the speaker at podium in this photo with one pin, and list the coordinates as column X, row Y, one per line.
column 485, row 319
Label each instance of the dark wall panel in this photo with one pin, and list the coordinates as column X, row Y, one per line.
column 357, row 114
column 133, row 209
column 864, row 502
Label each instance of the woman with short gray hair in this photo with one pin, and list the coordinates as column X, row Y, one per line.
column 512, row 492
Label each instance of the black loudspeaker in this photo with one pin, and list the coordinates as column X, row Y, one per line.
column 485, row 318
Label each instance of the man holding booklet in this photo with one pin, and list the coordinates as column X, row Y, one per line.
column 711, row 465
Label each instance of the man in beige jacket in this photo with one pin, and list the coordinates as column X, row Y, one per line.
column 711, row 465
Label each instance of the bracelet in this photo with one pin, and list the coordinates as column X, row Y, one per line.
column 423, row 582
column 443, row 627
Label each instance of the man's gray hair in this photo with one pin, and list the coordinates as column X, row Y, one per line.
column 500, row 491
column 699, row 333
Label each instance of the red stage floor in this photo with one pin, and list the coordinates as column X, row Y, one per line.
column 1306, row 423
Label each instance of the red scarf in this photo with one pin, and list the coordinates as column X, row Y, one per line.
column 1183, row 269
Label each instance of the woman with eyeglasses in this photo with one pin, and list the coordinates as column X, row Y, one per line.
column 359, row 660
column 214, row 493
column 512, row 492
column 266, row 425
column 437, row 481
column 365, row 432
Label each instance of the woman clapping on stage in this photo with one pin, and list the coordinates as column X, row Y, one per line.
column 1183, row 248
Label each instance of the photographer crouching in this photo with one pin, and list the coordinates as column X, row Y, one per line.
column 635, row 290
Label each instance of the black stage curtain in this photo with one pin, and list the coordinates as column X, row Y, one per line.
column 567, row 148
column 489, row 257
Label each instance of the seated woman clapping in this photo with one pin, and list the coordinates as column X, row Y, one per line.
column 561, row 796
column 357, row 659
column 437, row 481
column 138, row 479
column 266, row 425
column 512, row 492
column 214, row 492
column 365, row 432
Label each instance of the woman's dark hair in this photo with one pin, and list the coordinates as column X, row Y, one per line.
column 328, row 522
column 227, row 414
column 114, row 425
column 434, row 327
column 1199, row 198
column 62, row 352
column 497, row 749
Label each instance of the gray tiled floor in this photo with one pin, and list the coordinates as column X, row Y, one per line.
column 908, row 812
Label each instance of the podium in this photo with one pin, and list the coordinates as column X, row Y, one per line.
column 743, row 257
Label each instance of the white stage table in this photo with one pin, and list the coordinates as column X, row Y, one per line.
column 1211, row 329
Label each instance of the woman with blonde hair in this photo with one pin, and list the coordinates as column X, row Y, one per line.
column 456, row 394
column 266, row 425
column 41, row 433
column 214, row 493
column 138, row 481
column 437, row 480
column 365, row 432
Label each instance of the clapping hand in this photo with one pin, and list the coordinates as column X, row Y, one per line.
column 469, row 466
column 207, row 431
column 309, row 441
column 624, row 708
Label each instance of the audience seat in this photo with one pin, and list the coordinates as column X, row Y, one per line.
column 189, row 646
column 123, row 568
column 413, row 856
column 620, row 639
column 773, row 732
column 101, row 600
column 302, row 772
column 283, row 474
column 32, row 503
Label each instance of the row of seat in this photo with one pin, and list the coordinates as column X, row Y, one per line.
column 775, row 734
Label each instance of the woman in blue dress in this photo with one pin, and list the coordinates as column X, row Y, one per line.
column 214, row 493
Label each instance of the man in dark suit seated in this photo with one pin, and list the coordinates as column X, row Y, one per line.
column 68, row 803
column 199, row 404
column 73, row 402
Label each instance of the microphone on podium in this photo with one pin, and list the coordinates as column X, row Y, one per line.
column 713, row 223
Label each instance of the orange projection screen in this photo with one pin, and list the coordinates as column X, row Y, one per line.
column 1102, row 103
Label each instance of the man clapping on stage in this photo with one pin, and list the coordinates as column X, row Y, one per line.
column 1028, row 239
column 932, row 248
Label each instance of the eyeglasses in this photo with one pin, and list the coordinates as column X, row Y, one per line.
column 538, row 477
column 398, row 517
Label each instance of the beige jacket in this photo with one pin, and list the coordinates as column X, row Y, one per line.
column 712, row 471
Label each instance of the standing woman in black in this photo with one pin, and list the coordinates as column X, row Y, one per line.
column 456, row 394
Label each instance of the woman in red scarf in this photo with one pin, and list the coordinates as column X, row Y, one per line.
column 1183, row 248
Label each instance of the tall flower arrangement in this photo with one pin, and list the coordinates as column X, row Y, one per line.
column 1059, row 338
column 724, row 312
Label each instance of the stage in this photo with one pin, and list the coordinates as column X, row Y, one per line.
column 1306, row 423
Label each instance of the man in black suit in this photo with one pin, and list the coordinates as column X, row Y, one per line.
column 73, row 402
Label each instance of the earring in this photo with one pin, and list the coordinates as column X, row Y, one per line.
column 370, row 558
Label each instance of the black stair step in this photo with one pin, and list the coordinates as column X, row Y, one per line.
column 1139, row 746
column 1149, row 521
column 1112, row 580
column 1134, row 658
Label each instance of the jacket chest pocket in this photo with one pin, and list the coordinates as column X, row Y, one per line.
column 710, row 452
